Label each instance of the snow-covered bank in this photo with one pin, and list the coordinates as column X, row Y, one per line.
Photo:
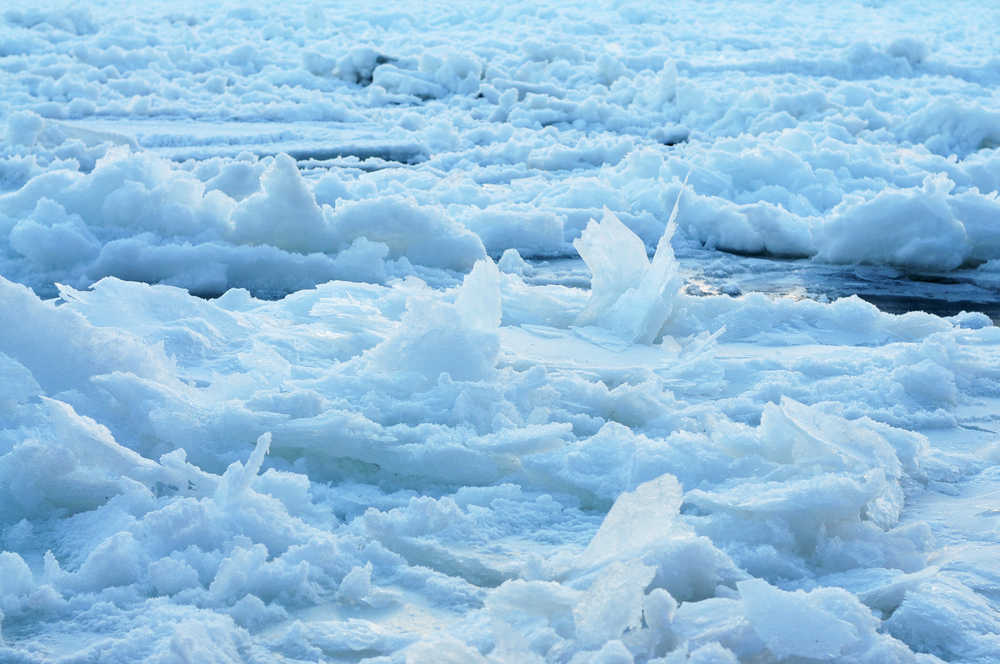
column 388, row 438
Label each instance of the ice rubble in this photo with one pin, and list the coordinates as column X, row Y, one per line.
column 137, row 217
column 722, row 520
column 454, row 463
column 203, row 230
column 792, row 155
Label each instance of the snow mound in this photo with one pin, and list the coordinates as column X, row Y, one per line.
column 139, row 217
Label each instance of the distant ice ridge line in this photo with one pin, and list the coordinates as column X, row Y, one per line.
column 792, row 209
column 906, row 57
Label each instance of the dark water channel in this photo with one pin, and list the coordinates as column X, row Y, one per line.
column 890, row 289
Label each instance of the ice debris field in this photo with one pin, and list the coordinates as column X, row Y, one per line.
column 437, row 332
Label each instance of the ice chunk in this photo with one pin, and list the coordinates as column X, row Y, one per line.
column 443, row 650
column 117, row 561
column 950, row 126
column 795, row 624
column 527, row 611
column 355, row 638
column 238, row 179
column 74, row 465
column 949, row 620
column 252, row 613
column 612, row 652
column 795, row 433
column 437, row 74
column 171, row 575
column 51, row 238
column 519, row 227
column 357, row 584
column 717, row 620
column 928, row 383
column 712, row 653
column 315, row 63
column 330, row 188
column 284, row 214
column 15, row 577
column 434, row 337
column 613, row 603
column 23, row 127
column 455, row 71
column 478, row 300
column 359, row 63
column 421, row 233
column 615, row 257
column 512, row 263
column 92, row 443
column 692, row 568
column 629, row 295
column 18, row 384
column 636, row 520
column 238, row 476
column 658, row 611
column 215, row 641
column 913, row 50
column 910, row 227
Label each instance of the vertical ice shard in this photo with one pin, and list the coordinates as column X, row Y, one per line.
column 630, row 295
column 238, row 476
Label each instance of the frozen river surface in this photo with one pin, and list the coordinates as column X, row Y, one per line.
column 536, row 332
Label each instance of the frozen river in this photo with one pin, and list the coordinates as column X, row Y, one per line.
column 539, row 332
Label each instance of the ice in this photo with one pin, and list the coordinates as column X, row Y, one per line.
column 76, row 350
column 459, row 340
column 934, row 239
column 542, row 332
column 51, row 238
column 636, row 520
column 424, row 236
column 613, row 604
column 790, row 625
column 444, row 650
column 948, row 620
column 284, row 214
column 631, row 295
column 511, row 262
column 23, row 127
column 237, row 478
column 17, row 576
column 141, row 218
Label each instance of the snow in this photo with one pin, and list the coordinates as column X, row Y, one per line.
column 542, row 332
